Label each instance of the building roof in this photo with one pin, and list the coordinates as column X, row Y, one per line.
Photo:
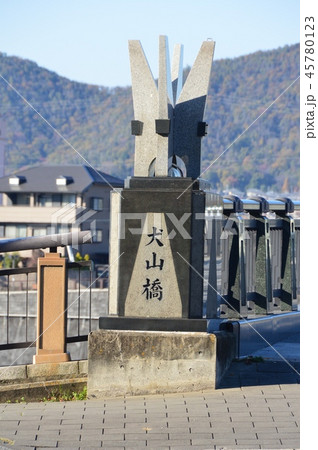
column 73, row 179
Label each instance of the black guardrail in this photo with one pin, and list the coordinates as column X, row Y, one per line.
column 254, row 248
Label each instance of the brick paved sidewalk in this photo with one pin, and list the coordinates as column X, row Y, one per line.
column 257, row 407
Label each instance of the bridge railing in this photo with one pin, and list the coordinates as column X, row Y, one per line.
column 254, row 248
column 18, row 308
column 23, row 313
column 254, row 265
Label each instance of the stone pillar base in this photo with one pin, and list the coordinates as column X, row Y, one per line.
column 125, row 362
column 51, row 358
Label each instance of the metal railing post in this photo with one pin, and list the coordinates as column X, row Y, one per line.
column 213, row 219
column 290, row 263
column 234, row 303
column 263, row 295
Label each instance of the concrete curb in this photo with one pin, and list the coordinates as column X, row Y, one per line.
column 33, row 382
column 38, row 390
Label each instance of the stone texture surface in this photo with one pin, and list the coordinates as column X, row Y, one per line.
column 47, row 371
column 133, row 362
column 159, row 196
column 145, row 100
column 12, row 373
column 189, row 110
column 35, row 381
column 177, row 71
column 52, row 370
column 183, row 106
column 165, row 109
column 154, row 292
column 114, row 249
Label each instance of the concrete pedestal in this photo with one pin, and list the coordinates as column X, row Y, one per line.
column 150, row 362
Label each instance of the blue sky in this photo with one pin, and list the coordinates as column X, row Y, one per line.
column 86, row 40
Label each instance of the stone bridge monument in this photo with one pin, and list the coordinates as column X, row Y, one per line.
column 154, row 338
column 157, row 220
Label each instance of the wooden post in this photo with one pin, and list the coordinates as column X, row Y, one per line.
column 51, row 309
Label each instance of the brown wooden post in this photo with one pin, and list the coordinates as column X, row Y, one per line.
column 52, row 303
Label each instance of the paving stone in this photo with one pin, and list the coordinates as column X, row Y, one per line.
column 269, row 442
column 135, row 427
column 19, row 442
column 91, row 426
column 151, row 431
column 237, row 413
column 135, row 436
column 289, row 434
column 160, row 446
column 202, row 441
column 138, row 421
column 113, row 426
column 292, row 427
column 70, row 426
column 259, row 423
column 198, row 414
column 220, row 407
column 187, row 447
column 175, row 423
column 220, row 418
column 220, row 427
column 27, row 434
column 248, row 434
column 282, row 415
column 183, row 441
column 157, row 425
column 255, row 414
column 197, row 428
column 224, row 442
column 243, row 426
column 64, row 443
column 112, row 446
column 38, row 443
column 151, row 437
column 6, row 437
column 135, row 444
column 237, row 418
column 201, row 435
column 47, row 434
column 251, row 441
column 291, row 443
column 90, row 432
column 83, row 447
column 219, row 434
column 70, row 436
column 247, row 446
column 179, row 435
column 91, row 441
column 113, row 432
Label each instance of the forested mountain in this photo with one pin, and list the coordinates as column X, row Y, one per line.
column 94, row 121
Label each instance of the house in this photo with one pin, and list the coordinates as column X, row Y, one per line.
column 55, row 199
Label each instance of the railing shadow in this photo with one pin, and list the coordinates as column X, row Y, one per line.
column 251, row 372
